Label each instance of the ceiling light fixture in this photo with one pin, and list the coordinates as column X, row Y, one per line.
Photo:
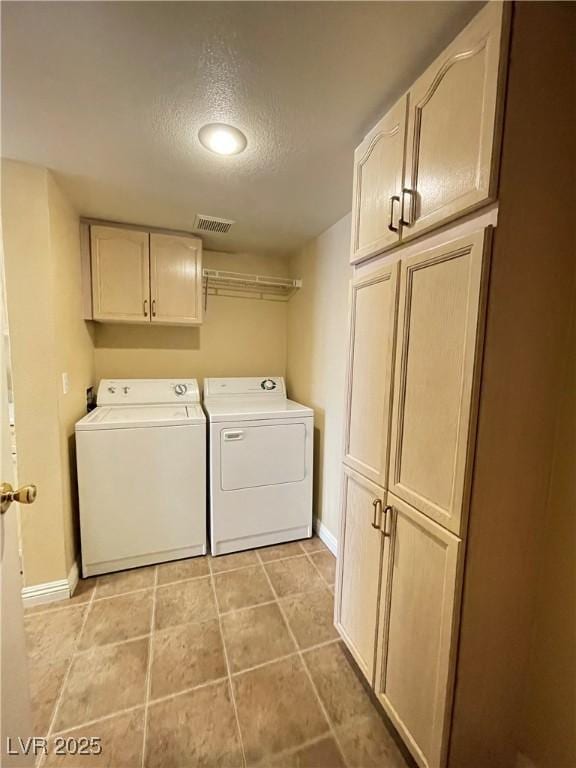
column 222, row 139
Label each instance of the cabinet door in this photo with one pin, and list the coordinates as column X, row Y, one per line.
column 453, row 126
column 378, row 169
column 360, row 555
column 176, row 279
column 372, row 328
column 440, row 324
column 120, row 274
column 417, row 636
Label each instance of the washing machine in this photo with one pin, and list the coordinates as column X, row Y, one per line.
column 260, row 464
column 141, row 458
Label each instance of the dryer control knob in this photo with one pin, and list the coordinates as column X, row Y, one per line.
column 180, row 389
column 268, row 384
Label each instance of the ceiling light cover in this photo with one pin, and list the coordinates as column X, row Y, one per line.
column 222, row 139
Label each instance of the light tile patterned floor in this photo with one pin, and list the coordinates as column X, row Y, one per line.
column 230, row 661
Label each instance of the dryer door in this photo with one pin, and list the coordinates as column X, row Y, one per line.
column 268, row 454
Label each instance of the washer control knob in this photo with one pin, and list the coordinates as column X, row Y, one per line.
column 268, row 384
column 180, row 389
column 112, row 390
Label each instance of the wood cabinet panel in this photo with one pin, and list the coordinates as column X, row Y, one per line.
column 439, row 330
column 360, row 556
column 453, row 127
column 416, row 647
column 378, row 170
column 369, row 394
column 120, row 274
column 176, row 279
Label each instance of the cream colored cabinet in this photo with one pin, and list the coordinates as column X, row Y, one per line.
column 369, row 389
column 445, row 163
column 138, row 277
column 176, row 279
column 416, row 647
column 452, row 146
column 378, row 169
column 398, row 566
column 439, row 329
column 361, row 553
column 120, row 275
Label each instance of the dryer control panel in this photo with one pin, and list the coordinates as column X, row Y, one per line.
column 246, row 387
column 147, row 391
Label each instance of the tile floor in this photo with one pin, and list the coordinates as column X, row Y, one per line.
column 230, row 661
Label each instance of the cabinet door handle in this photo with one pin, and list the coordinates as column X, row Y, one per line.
column 145, row 307
column 376, row 503
column 393, row 199
column 153, row 307
column 407, row 222
column 384, row 527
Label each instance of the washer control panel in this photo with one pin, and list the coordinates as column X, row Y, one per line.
column 147, row 391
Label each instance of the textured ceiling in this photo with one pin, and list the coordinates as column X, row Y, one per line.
column 111, row 95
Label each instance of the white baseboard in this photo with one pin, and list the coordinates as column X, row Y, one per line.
column 73, row 577
column 51, row 591
column 326, row 536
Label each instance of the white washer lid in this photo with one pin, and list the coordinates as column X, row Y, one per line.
column 220, row 409
column 131, row 416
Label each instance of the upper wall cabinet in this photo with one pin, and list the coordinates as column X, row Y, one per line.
column 452, row 147
column 176, row 279
column 448, row 157
column 378, row 169
column 120, row 275
column 139, row 277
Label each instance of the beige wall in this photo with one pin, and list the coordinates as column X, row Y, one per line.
column 40, row 231
column 239, row 337
column 317, row 349
column 547, row 721
column 74, row 348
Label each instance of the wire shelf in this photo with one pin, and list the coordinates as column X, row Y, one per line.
column 241, row 285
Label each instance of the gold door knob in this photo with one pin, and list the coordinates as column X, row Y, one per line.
column 25, row 495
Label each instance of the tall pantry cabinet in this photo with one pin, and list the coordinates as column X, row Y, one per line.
column 416, row 330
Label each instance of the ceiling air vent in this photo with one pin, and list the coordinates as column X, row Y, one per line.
column 204, row 223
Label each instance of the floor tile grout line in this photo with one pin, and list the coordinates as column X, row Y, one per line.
column 111, row 644
column 285, row 656
column 149, row 668
column 100, row 599
column 152, row 702
column 292, row 750
column 191, row 689
column 247, row 608
column 104, row 718
column 162, row 584
column 57, row 607
column 318, row 571
column 66, row 676
column 307, row 672
column 229, row 676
